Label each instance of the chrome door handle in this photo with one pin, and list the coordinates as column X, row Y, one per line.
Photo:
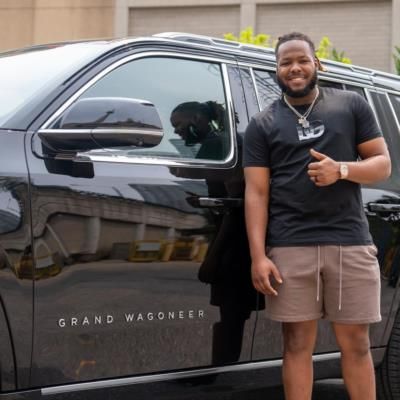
column 220, row 202
column 383, row 208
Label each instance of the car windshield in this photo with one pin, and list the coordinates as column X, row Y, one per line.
column 29, row 75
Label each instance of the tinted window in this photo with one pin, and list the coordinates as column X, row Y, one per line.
column 239, row 101
column 389, row 129
column 268, row 89
column 335, row 85
column 356, row 89
column 395, row 100
column 249, row 91
column 28, row 76
column 189, row 97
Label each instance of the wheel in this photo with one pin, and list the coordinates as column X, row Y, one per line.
column 388, row 373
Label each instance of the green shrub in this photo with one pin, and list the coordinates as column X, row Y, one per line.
column 327, row 51
column 396, row 58
column 247, row 36
column 325, row 47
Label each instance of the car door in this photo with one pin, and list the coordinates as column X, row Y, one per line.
column 16, row 270
column 383, row 222
column 382, row 205
column 140, row 262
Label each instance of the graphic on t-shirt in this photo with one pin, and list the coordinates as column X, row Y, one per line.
column 313, row 131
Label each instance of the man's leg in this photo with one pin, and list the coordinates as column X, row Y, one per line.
column 357, row 366
column 298, row 345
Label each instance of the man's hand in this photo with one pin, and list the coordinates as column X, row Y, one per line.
column 325, row 171
column 260, row 274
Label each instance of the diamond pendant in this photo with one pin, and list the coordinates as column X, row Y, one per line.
column 304, row 123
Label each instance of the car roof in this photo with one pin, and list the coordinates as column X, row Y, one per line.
column 253, row 52
column 246, row 52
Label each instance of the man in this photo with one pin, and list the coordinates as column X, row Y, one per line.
column 303, row 200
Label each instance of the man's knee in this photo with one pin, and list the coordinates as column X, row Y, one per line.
column 353, row 340
column 299, row 338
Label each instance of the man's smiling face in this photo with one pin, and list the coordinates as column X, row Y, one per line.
column 296, row 68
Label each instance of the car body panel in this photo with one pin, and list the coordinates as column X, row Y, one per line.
column 131, row 274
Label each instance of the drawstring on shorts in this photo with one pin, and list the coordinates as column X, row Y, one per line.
column 340, row 276
column 318, row 270
column 340, row 273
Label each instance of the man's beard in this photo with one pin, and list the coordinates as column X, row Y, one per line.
column 298, row 93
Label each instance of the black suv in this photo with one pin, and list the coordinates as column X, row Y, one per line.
column 124, row 265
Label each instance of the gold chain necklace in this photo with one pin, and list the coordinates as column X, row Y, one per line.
column 302, row 117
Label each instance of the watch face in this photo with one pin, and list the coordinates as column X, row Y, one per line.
column 344, row 171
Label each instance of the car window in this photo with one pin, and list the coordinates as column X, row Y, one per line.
column 330, row 84
column 249, row 92
column 395, row 100
column 49, row 67
column 267, row 87
column 389, row 129
column 238, row 97
column 189, row 97
column 356, row 89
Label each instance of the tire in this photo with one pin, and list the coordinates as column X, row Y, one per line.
column 388, row 373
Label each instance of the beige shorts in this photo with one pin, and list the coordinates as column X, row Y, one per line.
column 339, row 283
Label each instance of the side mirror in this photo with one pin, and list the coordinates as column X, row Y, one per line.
column 105, row 122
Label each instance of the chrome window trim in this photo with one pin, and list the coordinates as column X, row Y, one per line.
column 174, row 375
column 385, row 90
column 372, row 105
column 159, row 160
column 243, row 64
column 389, row 91
column 397, row 120
column 253, row 78
column 231, row 117
column 156, row 160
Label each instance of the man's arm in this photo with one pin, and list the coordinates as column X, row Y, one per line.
column 374, row 166
column 256, row 208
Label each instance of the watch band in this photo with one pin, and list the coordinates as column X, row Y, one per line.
column 343, row 170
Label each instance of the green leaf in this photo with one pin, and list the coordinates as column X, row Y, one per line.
column 325, row 48
column 396, row 59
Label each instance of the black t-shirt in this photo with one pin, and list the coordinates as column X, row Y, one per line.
column 300, row 213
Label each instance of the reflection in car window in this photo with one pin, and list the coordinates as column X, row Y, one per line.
column 49, row 66
column 268, row 89
column 356, row 89
column 395, row 100
column 189, row 97
column 389, row 130
column 249, row 92
column 239, row 101
column 330, row 84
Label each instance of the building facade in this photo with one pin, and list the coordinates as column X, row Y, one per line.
column 367, row 30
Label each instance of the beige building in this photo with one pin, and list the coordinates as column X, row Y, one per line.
column 366, row 30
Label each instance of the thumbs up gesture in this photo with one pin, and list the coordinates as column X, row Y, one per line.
column 324, row 171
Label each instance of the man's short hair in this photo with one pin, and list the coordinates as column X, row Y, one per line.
column 294, row 36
